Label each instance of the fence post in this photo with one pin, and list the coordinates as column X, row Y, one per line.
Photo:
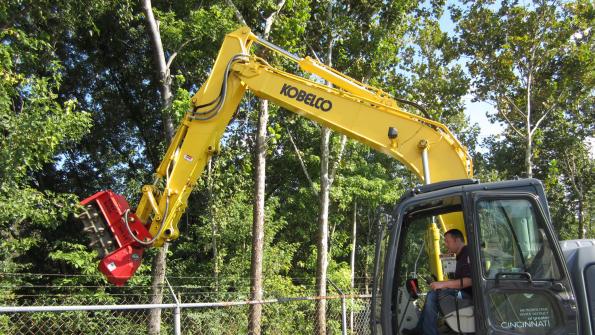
column 344, row 314
column 177, row 323
column 343, row 308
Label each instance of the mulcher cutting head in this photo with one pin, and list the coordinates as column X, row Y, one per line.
column 97, row 230
column 105, row 219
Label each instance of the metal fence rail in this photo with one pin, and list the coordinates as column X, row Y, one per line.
column 193, row 305
column 280, row 316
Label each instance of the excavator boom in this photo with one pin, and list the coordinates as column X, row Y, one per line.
column 359, row 111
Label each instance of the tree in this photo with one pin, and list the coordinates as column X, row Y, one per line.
column 534, row 63
column 35, row 125
column 514, row 51
column 568, row 133
column 258, row 216
column 162, row 69
column 345, row 31
column 579, row 167
column 431, row 76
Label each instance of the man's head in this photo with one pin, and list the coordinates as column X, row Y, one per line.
column 454, row 240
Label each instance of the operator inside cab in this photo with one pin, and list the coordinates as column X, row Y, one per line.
column 432, row 247
column 458, row 287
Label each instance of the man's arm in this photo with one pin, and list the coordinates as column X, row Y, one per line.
column 453, row 283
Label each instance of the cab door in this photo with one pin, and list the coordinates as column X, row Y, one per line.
column 524, row 284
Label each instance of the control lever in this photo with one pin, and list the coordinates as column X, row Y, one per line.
column 429, row 279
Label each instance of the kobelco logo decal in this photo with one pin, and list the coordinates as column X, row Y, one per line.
column 307, row 98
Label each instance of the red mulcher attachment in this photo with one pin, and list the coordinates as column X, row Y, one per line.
column 103, row 219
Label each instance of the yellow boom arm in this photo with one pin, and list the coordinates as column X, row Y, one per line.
column 361, row 112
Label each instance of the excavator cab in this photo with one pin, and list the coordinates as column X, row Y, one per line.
column 520, row 281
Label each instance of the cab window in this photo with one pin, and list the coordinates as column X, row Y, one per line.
column 513, row 240
column 514, row 246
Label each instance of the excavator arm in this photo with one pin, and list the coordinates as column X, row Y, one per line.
column 361, row 112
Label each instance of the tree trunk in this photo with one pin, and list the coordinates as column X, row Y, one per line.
column 162, row 69
column 589, row 219
column 322, row 243
column 256, row 287
column 574, row 176
column 371, row 228
column 325, row 184
column 353, row 246
column 581, row 221
column 529, row 147
column 213, row 224
column 157, row 279
column 160, row 261
column 256, row 290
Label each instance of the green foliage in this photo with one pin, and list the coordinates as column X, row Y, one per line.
column 536, row 57
column 77, row 256
column 36, row 124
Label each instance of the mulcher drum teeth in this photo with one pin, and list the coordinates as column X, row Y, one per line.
column 97, row 230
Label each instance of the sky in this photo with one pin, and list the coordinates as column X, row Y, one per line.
column 477, row 113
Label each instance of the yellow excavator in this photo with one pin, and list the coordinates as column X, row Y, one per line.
column 517, row 262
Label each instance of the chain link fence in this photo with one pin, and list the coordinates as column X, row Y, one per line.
column 192, row 310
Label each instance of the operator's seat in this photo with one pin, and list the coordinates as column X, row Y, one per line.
column 458, row 313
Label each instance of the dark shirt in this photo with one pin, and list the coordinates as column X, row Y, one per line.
column 463, row 267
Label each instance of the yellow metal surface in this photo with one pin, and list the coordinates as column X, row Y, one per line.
column 361, row 119
column 192, row 145
column 354, row 109
column 446, row 222
column 149, row 192
column 452, row 221
column 144, row 208
column 433, row 250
